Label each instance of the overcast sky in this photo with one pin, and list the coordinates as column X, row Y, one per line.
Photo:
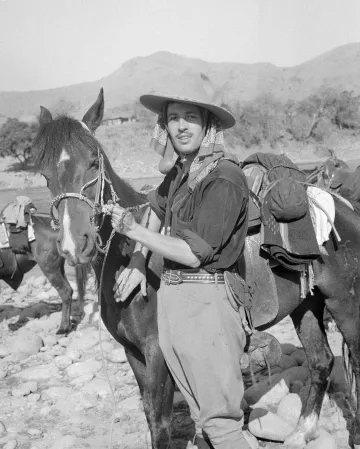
column 51, row 43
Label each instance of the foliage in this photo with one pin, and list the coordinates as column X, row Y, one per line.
column 16, row 139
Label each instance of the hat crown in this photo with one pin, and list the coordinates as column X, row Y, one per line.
column 191, row 89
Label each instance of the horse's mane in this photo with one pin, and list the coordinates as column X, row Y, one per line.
column 66, row 132
column 53, row 137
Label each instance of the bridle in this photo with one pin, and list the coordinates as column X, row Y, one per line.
column 98, row 207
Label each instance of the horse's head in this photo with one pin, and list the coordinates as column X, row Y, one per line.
column 70, row 158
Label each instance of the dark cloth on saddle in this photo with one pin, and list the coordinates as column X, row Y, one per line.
column 19, row 240
column 292, row 244
column 212, row 219
column 287, row 233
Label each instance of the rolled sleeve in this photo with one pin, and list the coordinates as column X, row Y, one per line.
column 202, row 250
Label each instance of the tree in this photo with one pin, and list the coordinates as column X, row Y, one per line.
column 16, row 139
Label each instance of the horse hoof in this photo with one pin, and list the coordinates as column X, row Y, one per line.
column 62, row 331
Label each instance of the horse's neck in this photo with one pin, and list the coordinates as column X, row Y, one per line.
column 126, row 194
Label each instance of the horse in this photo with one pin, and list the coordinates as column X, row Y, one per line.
column 43, row 252
column 82, row 182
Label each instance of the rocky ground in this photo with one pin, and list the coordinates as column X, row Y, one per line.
column 55, row 394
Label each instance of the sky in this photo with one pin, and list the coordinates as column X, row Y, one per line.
column 53, row 43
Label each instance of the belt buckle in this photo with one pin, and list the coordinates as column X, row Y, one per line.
column 172, row 277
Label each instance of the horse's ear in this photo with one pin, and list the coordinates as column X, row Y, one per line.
column 45, row 116
column 94, row 115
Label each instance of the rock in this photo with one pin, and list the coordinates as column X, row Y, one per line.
column 296, row 386
column 38, row 372
column 26, row 342
column 287, row 362
column 2, row 429
column 78, row 369
column 288, row 348
column 107, row 347
column 265, row 392
column 250, row 439
column 118, row 356
column 34, row 432
column 78, row 381
column 299, row 356
column 40, row 281
column 25, row 389
column 44, row 411
column 64, row 342
column 49, row 340
column 98, row 386
column 11, row 444
column 84, row 341
column 73, row 354
column 62, row 361
column 290, row 408
column 65, row 442
column 323, row 441
column 4, row 351
column 55, row 393
column 244, row 405
column 267, row 425
column 130, row 403
column 3, row 371
column 33, row 397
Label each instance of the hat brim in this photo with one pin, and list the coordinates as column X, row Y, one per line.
column 156, row 103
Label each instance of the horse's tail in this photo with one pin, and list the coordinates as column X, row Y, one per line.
column 82, row 275
column 349, row 373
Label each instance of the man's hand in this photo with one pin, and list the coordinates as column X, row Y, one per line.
column 130, row 278
column 122, row 220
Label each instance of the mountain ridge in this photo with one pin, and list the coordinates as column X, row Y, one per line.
column 338, row 68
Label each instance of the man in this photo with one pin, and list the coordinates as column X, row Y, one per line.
column 202, row 206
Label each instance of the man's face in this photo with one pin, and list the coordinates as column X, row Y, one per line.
column 185, row 127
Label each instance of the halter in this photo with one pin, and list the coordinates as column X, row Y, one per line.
column 98, row 207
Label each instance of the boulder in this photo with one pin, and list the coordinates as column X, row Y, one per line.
column 299, row 356
column 323, row 441
column 289, row 408
column 287, row 362
column 267, row 425
column 288, row 348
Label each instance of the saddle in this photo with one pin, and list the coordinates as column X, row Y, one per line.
column 16, row 230
column 269, row 243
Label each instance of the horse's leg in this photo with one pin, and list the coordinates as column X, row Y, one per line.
column 157, row 391
column 53, row 268
column 346, row 313
column 308, row 322
column 81, row 272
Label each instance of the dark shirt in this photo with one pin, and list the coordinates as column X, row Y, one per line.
column 212, row 220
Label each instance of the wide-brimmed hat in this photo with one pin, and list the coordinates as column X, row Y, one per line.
column 189, row 90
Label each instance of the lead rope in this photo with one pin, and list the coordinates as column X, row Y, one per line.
column 106, row 251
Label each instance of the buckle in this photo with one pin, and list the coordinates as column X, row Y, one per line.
column 172, row 277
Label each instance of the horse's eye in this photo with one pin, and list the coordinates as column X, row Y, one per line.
column 95, row 163
column 337, row 165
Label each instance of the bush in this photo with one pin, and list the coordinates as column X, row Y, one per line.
column 16, row 139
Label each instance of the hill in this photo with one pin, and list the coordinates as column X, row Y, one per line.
column 338, row 68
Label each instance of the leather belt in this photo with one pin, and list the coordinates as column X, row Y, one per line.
column 175, row 277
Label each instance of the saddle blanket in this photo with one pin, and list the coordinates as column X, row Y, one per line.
column 18, row 211
column 4, row 235
column 320, row 201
